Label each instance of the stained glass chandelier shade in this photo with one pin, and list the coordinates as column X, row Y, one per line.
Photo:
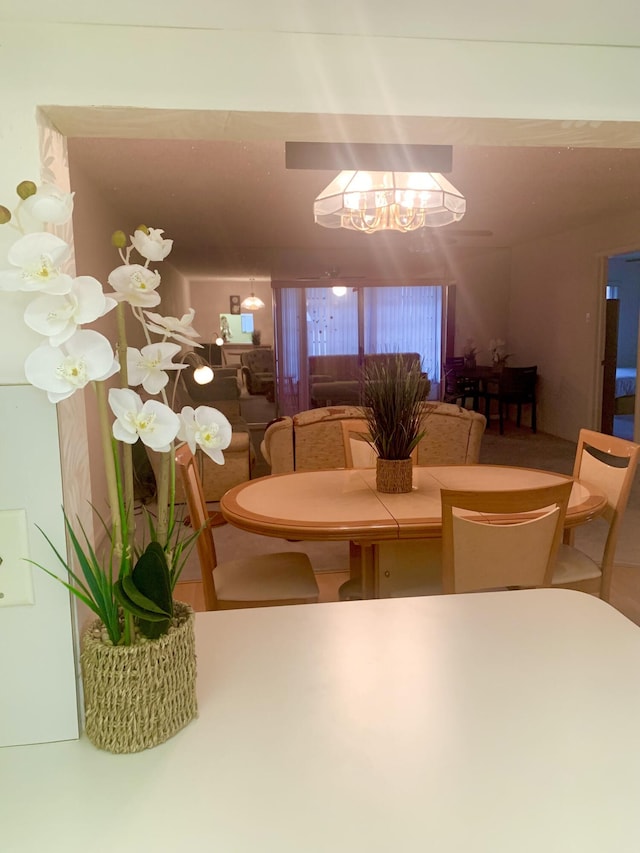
column 383, row 201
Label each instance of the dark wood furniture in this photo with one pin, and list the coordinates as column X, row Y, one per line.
column 459, row 386
column 513, row 386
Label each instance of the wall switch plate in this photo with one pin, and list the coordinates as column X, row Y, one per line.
column 16, row 583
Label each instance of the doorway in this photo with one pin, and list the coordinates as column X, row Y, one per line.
column 620, row 364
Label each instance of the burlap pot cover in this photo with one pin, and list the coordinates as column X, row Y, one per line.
column 394, row 476
column 139, row 696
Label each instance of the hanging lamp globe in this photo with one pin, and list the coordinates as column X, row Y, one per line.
column 252, row 303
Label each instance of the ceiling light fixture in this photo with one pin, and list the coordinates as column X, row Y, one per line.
column 252, row 303
column 339, row 290
column 388, row 201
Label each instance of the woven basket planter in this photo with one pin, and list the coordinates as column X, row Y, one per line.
column 139, row 696
column 394, row 476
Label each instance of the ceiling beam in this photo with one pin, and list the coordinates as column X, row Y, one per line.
column 374, row 157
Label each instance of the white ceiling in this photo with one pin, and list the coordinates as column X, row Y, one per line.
column 587, row 22
column 233, row 207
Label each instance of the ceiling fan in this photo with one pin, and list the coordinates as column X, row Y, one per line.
column 330, row 274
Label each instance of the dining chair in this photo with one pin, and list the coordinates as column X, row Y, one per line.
column 501, row 539
column 259, row 581
column 513, row 386
column 609, row 463
column 358, row 451
column 457, row 387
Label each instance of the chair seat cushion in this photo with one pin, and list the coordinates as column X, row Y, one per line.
column 573, row 565
column 268, row 577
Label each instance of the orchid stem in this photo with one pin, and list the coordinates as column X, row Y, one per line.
column 127, row 454
column 109, row 463
column 163, row 484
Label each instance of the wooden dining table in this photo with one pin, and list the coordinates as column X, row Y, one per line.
column 343, row 504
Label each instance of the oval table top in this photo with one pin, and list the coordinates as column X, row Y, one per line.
column 344, row 504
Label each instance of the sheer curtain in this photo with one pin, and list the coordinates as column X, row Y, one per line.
column 332, row 321
column 314, row 321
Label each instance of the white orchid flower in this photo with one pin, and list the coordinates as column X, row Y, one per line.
column 50, row 204
column 172, row 327
column 58, row 317
column 151, row 245
column 147, row 366
column 136, row 285
column 206, row 428
column 60, row 371
column 154, row 423
column 38, row 258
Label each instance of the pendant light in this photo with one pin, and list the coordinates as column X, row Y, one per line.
column 252, row 303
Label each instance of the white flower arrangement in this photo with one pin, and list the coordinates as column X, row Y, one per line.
column 497, row 349
column 470, row 349
column 135, row 581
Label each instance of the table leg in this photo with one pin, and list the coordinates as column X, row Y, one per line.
column 368, row 563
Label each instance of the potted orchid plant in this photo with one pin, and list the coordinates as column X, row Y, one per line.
column 130, row 587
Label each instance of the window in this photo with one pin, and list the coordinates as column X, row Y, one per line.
column 366, row 319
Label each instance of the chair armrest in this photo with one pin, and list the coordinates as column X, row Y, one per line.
column 277, row 445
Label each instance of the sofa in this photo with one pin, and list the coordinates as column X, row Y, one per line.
column 258, row 370
column 336, row 379
column 312, row 440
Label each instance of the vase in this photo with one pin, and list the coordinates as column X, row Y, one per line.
column 139, row 696
column 394, row 476
column 470, row 361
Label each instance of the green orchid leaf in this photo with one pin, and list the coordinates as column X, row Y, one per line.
column 132, row 607
column 133, row 594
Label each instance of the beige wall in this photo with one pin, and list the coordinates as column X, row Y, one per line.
column 556, row 317
column 246, row 72
column 210, row 298
column 482, row 300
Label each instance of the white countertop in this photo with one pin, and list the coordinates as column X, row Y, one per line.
column 473, row 723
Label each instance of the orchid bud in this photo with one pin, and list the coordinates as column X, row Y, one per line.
column 119, row 239
column 142, row 228
column 5, row 215
column 26, row 189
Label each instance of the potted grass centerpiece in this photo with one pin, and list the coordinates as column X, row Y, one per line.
column 392, row 394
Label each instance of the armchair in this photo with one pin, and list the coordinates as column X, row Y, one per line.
column 258, row 370
column 222, row 392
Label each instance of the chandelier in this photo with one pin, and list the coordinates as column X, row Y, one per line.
column 252, row 303
column 388, row 201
